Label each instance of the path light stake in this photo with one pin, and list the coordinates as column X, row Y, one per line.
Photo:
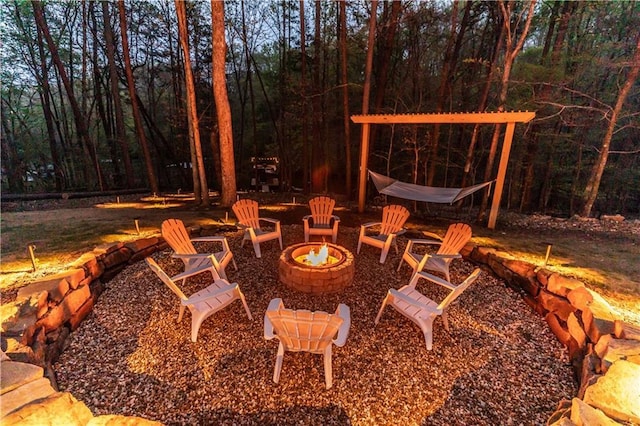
column 135, row 220
column 226, row 217
column 32, row 248
column 546, row 258
column 118, row 200
column 294, row 200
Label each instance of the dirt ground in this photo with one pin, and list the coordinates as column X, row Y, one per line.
column 604, row 254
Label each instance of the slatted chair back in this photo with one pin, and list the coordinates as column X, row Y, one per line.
column 458, row 234
column 247, row 212
column 322, row 210
column 302, row 330
column 177, row 236
column 393, row 218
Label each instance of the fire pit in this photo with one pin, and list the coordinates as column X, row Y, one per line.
column 316, row 268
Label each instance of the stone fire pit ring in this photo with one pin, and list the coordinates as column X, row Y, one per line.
column 324, row 279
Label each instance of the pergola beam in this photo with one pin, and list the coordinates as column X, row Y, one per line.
column 510, row 118
column 446, row 118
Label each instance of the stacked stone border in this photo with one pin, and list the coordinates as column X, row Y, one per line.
column 603, row 350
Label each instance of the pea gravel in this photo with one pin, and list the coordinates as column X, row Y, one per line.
column 499, row 364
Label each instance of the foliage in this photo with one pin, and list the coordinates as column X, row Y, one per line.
column 571, row 85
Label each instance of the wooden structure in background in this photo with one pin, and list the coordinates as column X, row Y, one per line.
column 510, row 118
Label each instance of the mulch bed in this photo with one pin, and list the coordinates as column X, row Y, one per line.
column 499, row 364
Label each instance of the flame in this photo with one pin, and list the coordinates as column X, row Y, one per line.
column 319, row 259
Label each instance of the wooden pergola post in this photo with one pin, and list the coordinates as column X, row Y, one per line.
column 510, row 118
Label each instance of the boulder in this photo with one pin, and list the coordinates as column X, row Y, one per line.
column 618, row 349
column 616, row 393
column 58, row 409
column 585, row 415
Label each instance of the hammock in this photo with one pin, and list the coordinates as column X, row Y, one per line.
column 430, row 194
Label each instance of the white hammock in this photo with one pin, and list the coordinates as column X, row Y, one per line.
column 430, row 194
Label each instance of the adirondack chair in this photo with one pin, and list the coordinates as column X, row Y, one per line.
column 321, row 221
column 307, row 331
column 177, row 236
column 393, row 219
column 458, row 234
column 246, row 212
column 419, row 308
column 203, row 303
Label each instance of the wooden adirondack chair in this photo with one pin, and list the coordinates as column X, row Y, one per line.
column 246, row 212
column 393, row 219
column 176, row 235
column 321, row 221
column 307, row 331
column 203, row 303
column 419, row 308
column 458, row 234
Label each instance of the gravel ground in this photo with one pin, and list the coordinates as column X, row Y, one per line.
column 499, row 364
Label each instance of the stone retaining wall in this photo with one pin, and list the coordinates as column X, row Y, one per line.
column 604, row 351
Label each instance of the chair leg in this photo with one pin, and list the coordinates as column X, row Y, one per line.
column 384, row 304
column 181, row 313
column 256, row 248
column 328, row 373
column 428, row 333
column 244, row 303
column 235, row 265
column 196, row 322
column 445, row 319
column 278, row 367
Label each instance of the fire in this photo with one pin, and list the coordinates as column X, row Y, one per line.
column 319, row 259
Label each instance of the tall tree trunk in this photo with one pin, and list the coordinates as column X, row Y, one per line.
column 318, row 160
column 41, row 72
column 383, row 61
column 115, row 94
column 81, row 126
column 200, row 178
column 593, row 184
column 227, row 163
column 135, row 109
column 512, row 48
column 345, row 94
column 544, row 92
column 303, row 93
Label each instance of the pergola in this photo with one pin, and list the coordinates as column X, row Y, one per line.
column 510, row 118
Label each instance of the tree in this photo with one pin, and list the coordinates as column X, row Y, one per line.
column 115, row 94
column 513, row 45
column 344, row 82
column 201, row 189
column 225, row 130
column 81, row 126
column 591, row 190
column 137, row 119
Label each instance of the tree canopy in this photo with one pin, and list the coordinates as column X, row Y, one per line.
column 295, row 71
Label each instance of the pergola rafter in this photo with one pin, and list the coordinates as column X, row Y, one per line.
column 508, row 118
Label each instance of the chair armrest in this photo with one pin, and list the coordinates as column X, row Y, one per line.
column 191, row 256
column 432, row 235
column 396, row 294
column 416, row 241
column 204, row 297
column 219, row 238
column 432, row 278
column 370, row 224
column 268, row 219
column 274, row 305
column 307, row 217
column 336, row 218
column 343, row 312
column 196, row 271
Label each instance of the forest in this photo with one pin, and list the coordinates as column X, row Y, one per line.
column 258, row 95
